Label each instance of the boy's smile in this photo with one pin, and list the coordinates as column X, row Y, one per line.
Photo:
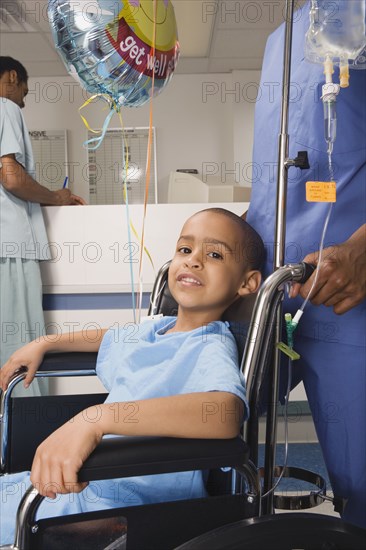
column 187, row 279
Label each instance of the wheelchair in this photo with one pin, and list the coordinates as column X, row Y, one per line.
column 229, row 517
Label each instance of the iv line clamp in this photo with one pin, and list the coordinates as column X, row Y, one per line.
column 301, row 161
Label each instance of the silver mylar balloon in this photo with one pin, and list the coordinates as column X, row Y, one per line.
column 107, row 45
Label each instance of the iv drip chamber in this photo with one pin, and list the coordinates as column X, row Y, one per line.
column 330, row 123
column 337, row 30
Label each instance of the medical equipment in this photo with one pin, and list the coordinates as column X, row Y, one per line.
column 284, row 163
column 330, row 90
column 294, row 322
column 337, row 31
column 336, row 36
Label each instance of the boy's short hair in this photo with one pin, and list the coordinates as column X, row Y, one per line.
column 9, row 64
column 253, row 246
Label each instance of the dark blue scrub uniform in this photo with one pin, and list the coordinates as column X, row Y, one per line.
column 332, row 347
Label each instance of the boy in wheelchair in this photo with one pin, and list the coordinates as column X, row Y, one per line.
column 159, row 378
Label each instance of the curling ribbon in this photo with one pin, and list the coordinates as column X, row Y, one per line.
column 148, row 160
column 130, row 226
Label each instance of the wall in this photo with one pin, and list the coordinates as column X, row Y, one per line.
column 93, row 250
column 194, row 120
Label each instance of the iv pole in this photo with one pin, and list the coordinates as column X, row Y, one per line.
column 279, row 252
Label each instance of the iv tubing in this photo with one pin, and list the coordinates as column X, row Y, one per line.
column 299, row 313
column 320, row 256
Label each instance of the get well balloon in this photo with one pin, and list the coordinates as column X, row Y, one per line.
column 107, row 45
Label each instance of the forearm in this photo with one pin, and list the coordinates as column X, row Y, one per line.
column 198, row 415
column 85, row 341
column 16, row 180
column 31, row 355
column 358, row 239
column 207, row 415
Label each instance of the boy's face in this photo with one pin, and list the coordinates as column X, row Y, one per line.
column 207, row 272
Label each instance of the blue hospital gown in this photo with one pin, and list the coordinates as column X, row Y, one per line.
column 23, row 243
column 141, row 362
column 332, row 347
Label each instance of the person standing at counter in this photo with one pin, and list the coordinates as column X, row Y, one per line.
column 23, row 237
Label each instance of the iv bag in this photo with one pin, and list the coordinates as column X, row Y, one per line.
column 337, row 30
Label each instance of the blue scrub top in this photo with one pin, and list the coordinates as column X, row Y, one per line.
column 22, row 228
column 305, row 220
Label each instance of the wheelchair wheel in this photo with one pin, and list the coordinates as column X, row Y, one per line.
column 282, row 532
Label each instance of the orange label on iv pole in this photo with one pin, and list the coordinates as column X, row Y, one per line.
column 321, row 191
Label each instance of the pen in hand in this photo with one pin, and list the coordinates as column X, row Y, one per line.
column 73, row 199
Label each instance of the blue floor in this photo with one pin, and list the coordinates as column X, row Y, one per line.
column 300, row 455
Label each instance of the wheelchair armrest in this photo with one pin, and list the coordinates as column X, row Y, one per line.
column 129, row 456
column 69, row 361
column 26, row 422
column 135, row 456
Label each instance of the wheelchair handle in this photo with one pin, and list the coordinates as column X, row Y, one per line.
column 308, row 271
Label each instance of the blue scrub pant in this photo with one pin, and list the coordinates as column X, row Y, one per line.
column 21, row 313
column 334, row 375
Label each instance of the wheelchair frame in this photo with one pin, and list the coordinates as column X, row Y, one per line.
column 178, row 454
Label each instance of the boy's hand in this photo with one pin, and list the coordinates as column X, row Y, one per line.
column 29, row 356
column 59, row 458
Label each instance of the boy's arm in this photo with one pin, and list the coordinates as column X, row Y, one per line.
column 195, row 415
column 31, row 355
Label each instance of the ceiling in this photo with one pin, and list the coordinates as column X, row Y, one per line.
column 216, row 36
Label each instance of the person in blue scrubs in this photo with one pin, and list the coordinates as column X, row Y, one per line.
column 331, row 334
column 23, row 239
column 164, row 379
